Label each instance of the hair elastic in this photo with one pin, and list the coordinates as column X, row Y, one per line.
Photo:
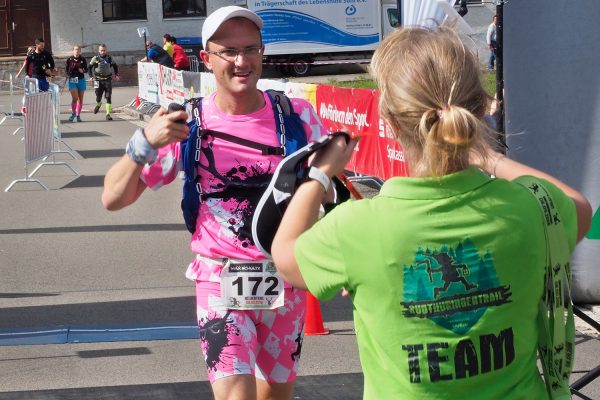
column 440, row 112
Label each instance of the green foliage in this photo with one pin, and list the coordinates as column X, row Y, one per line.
column 488, row 79
column 358, row 83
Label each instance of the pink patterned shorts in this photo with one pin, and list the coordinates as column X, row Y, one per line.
column 263, row 343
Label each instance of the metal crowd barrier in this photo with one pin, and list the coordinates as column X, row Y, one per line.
column 54, row 91
column 147, row 107
column 41, row 129
column 37, row 132
column 11, row 114
column 194, row 64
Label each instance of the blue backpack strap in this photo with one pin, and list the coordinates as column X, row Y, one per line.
column 290, row 132
column 190, row 155
column 288, row 124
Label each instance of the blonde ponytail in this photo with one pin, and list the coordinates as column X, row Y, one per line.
column 430, row 93
column 449, row 134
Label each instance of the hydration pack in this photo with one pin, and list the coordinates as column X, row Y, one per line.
column 290, row 132
column 103, row 68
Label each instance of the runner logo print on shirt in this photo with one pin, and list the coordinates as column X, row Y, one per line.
column 452, row 286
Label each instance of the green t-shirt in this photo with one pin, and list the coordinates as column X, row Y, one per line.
column 446, row 276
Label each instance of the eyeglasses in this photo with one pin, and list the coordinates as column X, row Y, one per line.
column 231, row 55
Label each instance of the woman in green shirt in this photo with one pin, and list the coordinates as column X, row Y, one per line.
column 445, row 267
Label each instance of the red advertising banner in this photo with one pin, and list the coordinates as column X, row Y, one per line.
column 349, row 110
column 380, row 157
column 355, row 111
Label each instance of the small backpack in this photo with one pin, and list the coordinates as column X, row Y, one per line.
column 290, row 132
column 103, row 66
column 289, row 174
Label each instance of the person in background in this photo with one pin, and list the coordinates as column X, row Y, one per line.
column 168, row 44
column 422, row 258
column 490, row 39
column 29, row 50
column 75, row 68
column 39, row 64
column 101, row 73
column 182, row 63
column 251, row 352
column 156, row 54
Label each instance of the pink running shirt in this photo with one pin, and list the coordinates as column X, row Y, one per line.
column 223, row 228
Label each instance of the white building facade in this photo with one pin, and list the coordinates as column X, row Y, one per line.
column 116, row 22
column 64, row 23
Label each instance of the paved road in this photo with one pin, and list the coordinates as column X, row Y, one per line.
column 85, row 274
column 70, row 266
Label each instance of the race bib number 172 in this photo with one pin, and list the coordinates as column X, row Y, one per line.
column 251, row 286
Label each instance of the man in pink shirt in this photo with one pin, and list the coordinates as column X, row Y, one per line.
column 250, row 320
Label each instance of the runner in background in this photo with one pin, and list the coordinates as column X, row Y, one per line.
column 101, row 73
column 39, row 64
column 75, row 68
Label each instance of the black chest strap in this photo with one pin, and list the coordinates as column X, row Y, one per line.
column 265, row 149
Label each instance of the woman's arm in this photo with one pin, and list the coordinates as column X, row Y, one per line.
column 303, row 210
column 503, row 167
column 84, row 65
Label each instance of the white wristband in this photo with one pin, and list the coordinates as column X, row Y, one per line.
column 139, row 150
column 318, row 175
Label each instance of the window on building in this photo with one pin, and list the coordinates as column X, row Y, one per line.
column 393, row 17
column 118, row 10
column 184, row 8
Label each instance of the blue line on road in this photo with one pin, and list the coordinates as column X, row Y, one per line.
column 94, row 334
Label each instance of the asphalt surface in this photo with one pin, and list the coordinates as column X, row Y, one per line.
column 99, row 288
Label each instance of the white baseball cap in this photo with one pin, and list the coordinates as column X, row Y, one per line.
column 216, row 19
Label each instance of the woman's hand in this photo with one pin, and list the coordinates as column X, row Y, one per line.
column 332, row 158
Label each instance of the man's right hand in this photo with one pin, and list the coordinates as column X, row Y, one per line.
column 165, row 128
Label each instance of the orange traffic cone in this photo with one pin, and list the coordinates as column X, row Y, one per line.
column 313, row 321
